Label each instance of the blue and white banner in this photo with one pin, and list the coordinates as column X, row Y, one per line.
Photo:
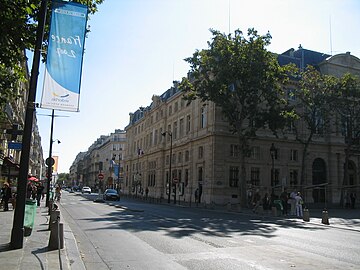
column 61, row 89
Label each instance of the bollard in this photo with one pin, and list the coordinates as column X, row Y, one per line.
column 54, row 215
column 56, row 235
column 325, row 217
column 306, row 215
column 51, row 205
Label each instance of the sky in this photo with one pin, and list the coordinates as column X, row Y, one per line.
column 136, row 49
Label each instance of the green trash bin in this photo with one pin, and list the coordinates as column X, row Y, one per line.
column 29, row 218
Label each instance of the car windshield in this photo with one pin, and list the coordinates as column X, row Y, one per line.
column 111, row 191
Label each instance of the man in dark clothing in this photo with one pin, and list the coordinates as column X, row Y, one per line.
column 39, row 192
column 6, row 191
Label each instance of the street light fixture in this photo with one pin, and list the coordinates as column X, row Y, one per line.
column 170, row 176
column 272, row 153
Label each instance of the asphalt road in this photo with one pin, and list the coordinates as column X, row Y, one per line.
column 137, row 235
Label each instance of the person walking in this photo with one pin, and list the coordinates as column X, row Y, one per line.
column 6, row 191
column 256, row 201
column 284, row 201
column 292, row 203
column 299, row 205
column 39, row 193
column 352, row 199
column 266, row 202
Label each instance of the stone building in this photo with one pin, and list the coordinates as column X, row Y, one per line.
column 105, row 157
column 204, row 154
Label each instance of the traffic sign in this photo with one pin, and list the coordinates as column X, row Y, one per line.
column 101, row 176
column 50, row 161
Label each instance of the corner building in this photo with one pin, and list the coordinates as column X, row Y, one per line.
column 205, row 153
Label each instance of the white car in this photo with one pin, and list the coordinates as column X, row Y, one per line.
column 86, row 190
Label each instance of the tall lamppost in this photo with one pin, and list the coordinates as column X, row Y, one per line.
column 170, row 176
column 272, row 153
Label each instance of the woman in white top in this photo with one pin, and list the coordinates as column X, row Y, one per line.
column 299, row 205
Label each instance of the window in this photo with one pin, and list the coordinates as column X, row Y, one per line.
column 200, row 174
column 234, row 176
column 293, row 155
column 170, row 110
column 181, row 128
column 293, row 177
column 255, row 176
column 175, row 129
column 186, row 180
column 188, row 124
column 234, row 150
column 203, row 117
column 319, row 123
column 167, row 160
column 180, row 157
column 255, row 152
column 201, row 152
column 187, row 155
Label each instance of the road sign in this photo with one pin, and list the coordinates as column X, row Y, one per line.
column 101, row 176
column 15, row 145
column 50, row 161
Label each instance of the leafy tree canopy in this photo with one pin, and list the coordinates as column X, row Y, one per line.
column 240, row 76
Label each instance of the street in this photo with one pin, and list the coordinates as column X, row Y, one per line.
column 134, row 234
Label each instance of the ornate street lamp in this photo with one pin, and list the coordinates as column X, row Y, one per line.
column 272, row 153
column 170, row 176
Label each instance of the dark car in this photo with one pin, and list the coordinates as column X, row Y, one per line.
column 111, row 194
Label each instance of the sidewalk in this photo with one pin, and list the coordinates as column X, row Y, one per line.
column 35, row 253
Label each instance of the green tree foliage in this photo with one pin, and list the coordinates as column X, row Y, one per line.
column 312, row 108
column 240, row 76
column 18, row 23
column 347, row 96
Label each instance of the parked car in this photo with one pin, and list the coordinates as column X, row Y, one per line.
column 86, row 190
column 111, row 194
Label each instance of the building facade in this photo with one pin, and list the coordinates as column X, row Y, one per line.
column 102, row 165
column 190, row 148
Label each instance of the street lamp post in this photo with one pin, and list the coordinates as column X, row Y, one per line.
column 272, row 153
column 170, row 176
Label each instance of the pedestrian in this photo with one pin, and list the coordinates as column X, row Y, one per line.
column 292, row 203
column 256, row 201
column 284, row 201
column 347, row 199
column 57, row 193
column 197, row 195
column 7, row 195
column 33, row 192
column 266, row 202
column 353, row 199
column 299, row 205
column 146, row 193
column 28, row 190
column 39, row 193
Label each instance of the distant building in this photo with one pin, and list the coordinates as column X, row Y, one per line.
column 105, row 156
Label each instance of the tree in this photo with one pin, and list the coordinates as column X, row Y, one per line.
column 240, row 76
column 18, row 23
column 347, row 96
column 311, row 110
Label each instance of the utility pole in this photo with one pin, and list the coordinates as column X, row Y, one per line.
column 17, row 233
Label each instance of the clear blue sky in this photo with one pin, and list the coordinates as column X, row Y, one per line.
column 136, row 49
